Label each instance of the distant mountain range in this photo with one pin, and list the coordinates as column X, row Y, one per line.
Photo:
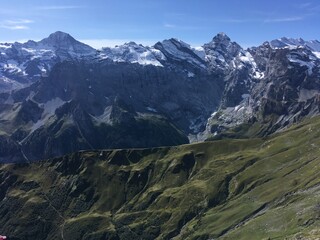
column 60, row 95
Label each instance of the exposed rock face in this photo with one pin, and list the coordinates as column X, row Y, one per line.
column 90, row 106
column 89, row 96
column 284, row 90
column 10, row 150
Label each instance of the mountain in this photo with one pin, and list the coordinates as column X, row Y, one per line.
column 64, row 43
column 24, row 63
column 285, row 90
column 284, row 42
column 262, row 188
column 133, row 53
column 167, row 94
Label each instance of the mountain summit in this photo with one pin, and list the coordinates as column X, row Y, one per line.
column 57, row 38
column 64, row 41
column 221, row 38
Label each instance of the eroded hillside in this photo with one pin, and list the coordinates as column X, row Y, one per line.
column 226, row 189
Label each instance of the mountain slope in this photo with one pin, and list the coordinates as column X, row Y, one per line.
column 24, row 63
column 214, row 91
column 258, row 188
column 74, row 106
column 284, row 91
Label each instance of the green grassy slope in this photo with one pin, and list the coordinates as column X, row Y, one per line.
column 228, row 189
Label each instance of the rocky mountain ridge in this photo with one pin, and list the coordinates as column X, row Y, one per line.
column 112, row 98
column 287, row 91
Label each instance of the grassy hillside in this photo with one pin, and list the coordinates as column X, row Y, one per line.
column 228, row 189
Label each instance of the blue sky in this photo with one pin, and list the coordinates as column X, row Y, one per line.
column 110, row 22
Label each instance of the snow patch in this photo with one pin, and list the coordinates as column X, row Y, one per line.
column 29, row 50
column 246, row 58
column 151, row 109
column 133, row 53
column 309, row 65
column 214, row 114
column 49, row 110
column 191, row 74
column 103, row 118
column 245, row 96
column 317, row 54
column 5, row 46
column 258, row 75
column 200, row 52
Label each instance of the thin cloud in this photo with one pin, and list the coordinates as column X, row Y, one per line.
column 14, row 27
column 232, row 20
column 58, row 7
column 304, row 5
column 175, row 16
column 181, row 27
column 269, row 20
column 314, row 9
column 309, row 8
column 18, row 24
column 277, row 20
column 167, row 25
column 20, row 21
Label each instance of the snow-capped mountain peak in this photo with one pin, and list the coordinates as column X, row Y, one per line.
column 291, row 43
column 221, row 52
column 57, row 38
column 313, row 45
column 64, row 41
column 178, row 51
column 221, row 42
column 24, row 63
column 133, row 53
column 221, row 38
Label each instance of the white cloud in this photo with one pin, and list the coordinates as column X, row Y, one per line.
column 288, row 19
column 17, row 24
column 99, row 43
